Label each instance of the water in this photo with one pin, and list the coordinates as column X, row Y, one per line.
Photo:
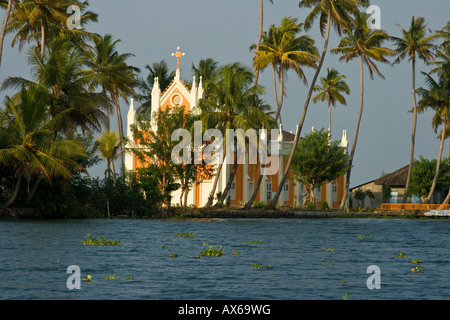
column 34, row 256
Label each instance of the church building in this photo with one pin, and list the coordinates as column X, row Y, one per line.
column 247, row 174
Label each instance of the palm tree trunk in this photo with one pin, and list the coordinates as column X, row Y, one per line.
column 302, row 120
column 249, row 203
column 329, row 116
column 261, row 18
column 438, row 163
column 229, row 182
column 216, row 180
column 355, row 138
column 44, row 36
column 14, row 194
column 275, row 93
column 33, row 190
column 413, row 135
column 5, row 21
column 115, row 97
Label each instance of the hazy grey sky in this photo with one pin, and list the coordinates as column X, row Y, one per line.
column 224, row 30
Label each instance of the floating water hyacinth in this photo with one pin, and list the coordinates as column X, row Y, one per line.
column 401, row 255
column 255, row 242
column 185, row 235
column 213, row 251
column 99, row 241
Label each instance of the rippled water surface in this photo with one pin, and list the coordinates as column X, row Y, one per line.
column 299, row 258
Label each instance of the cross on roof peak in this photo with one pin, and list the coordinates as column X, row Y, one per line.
column 178, row 54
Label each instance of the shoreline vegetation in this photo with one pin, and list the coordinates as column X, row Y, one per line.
column 210, row 214
column 55, row 123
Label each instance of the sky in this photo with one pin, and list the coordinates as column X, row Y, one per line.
column 224, row 30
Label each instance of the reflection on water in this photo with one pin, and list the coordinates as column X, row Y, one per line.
column 300, row 259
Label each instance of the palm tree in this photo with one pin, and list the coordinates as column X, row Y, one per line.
column 365, row 44
column 338, row 13
column 158, row 70
column 60, row 71
column 42, row 20
column 283, row 50
column 108, row 146
column 29, row 147
column 438, row 98
column 207, row 71
column 413, row 44
column 108, row 70
column 261, row 25
column 228, row 108
column 331, row 88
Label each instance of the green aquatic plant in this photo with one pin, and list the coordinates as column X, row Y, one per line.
column 329, row 249
column 418, row 269
column 255, row 242
column 401, row 255
column 185, row 235
column 343, row 282
column 114, row 276
column 416, row 261
column 173, row 255
column 99, row 241
column 88, row 278
column 345, row 296
column 256, row 266
column 213, row 251
column 129, row 278
column 361, row 236
column 236, row 253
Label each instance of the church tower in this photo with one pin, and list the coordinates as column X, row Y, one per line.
column 176, row 94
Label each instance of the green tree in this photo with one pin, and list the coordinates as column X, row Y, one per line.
column 422, row 176
column 283, row 50
column 43, row 20
column 230, row 107
column 318, row 161
column 336, row 12
column 207, row 72
column 154, row 148
column 109, row 70
column 436, row 97
column 158, row 70
column 367, row 45
column 108, row 144
column 332, row 87
column 60, row 73
column 29, row 147
column 414, row 44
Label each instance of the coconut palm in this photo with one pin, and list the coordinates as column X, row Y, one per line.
column 108, row 70
column 229, row 108
column 414, row 44
column 29, row 147
column 336, row 12
column 207, row 71
column 60, row 72
column 437, row 97
column 283, row 50
column 42, row 20
column 108, row 145
column 158, row 70
column 331, row 88
column 367, row 45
